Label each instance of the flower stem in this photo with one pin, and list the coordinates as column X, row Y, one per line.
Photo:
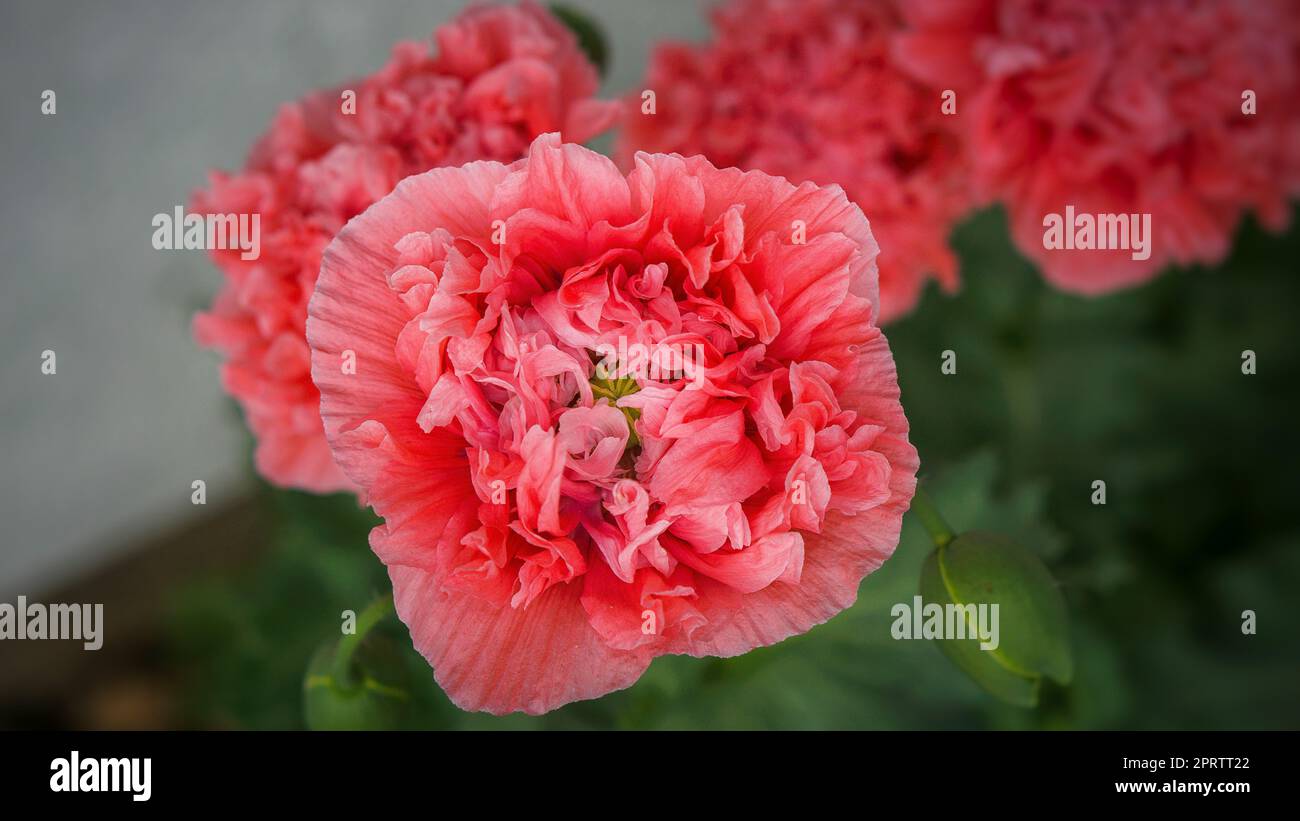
column 375, row 612
column 929, row 515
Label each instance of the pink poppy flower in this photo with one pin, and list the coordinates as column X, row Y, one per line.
column 809, row 90
column 499, row 77
column 608, row 417
column 1116, row 107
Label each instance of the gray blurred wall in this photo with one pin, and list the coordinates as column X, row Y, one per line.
column 150, row 95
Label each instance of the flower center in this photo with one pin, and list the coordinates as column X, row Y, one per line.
column 613, row 390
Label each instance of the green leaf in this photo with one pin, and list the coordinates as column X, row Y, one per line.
column 377, row 699
column 980, row 665
column 988, row 567
column 590, row 37
column 984, row 568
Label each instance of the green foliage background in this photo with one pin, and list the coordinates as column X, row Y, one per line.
column 1142, row 389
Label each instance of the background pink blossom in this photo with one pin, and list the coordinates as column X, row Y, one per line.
column 810, row 90
column 497, row 77
column 1115, row 106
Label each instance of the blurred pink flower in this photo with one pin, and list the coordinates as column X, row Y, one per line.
column 1115, row 106
column 499, row 76
column 555, row 514
column 809, row 90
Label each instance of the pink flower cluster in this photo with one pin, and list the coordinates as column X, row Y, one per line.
column 549, row 529
column 499, row 76
column 810, row 90
column 1181, row 109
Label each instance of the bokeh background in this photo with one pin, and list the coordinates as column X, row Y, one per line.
column 213, row 612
